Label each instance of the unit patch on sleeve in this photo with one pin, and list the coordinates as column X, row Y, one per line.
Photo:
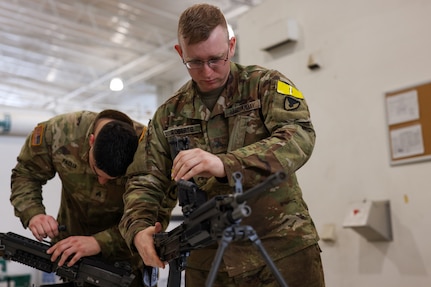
column 291, row 104
column 286, row 89
column 37, row 135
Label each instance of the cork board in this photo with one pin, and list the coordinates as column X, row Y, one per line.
column 408, row 113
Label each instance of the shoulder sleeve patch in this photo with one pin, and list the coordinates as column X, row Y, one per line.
column 286, row 89
column 37, row 135
column 291, row 104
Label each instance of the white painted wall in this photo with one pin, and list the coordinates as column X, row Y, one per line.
column 366, row 48
column 10, row 147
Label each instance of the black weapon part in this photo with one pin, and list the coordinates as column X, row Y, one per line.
column 91, row 270
column 205, row 223
column 178, row 144
column 190, row 196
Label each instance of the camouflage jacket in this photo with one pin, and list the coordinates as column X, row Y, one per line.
column 259, row 125
column 60, row 146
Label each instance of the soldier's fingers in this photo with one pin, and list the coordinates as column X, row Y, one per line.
column 58, row 250
column 63, row 259
column 37, row 235
column 41, row 233
column 152, row 259
column 53, row 228
column 157, row 227
column 54, row 252
column 74, row 259
column 66, row 252
column 186, row 167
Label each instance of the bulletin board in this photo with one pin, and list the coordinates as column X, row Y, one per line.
column 409, row 124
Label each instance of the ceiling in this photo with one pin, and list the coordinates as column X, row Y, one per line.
column 60, row 55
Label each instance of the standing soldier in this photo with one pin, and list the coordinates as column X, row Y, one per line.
column 246, row 119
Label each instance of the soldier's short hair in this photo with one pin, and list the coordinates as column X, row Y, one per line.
column 115, row 147
column 198, row 21
column 115, row 115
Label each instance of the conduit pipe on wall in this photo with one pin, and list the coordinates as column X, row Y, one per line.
column 15, row 122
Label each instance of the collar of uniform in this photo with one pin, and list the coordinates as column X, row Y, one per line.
column 189, row 104
column 203, row 113
column 85, row 149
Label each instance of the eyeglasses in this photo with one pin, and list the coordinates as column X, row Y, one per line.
column 213, row 63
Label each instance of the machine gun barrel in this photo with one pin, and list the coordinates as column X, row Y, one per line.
column 270, row 182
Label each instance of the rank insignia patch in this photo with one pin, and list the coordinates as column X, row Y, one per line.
column 289, row 90
column 37, row 135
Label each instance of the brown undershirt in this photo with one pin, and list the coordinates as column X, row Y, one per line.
column 210, row 98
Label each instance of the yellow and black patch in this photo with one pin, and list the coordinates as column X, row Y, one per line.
column 37, row 135
column 286, row 89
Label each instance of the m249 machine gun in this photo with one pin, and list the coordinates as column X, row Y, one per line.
column 88, row 270
column 207, row 222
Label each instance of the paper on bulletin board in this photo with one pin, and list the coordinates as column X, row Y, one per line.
column 403, row 107
column 407, row 141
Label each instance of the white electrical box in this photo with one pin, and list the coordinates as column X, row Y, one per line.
column 276, row 32
column 371, row 219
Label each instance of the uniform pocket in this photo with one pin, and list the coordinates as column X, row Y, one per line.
column 238, row 134
column 247, row 129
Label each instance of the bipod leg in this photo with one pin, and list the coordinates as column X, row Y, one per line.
column 256, row 241
column 228, row 235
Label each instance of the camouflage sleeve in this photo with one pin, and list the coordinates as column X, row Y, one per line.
column 111, row 241
column 33, row 170
column 146, row 200
column 112, row 244
column 141, row 130
column 291, row 134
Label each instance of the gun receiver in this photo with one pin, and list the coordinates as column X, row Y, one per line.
column 189, row 195
column 178, row 144
column 87, row 270
column 204, row 224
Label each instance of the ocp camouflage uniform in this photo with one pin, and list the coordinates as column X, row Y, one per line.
column 60, row 146
column 259, row 125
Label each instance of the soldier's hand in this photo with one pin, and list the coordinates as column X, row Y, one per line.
column 144, row 243
column 43, row 226
column 189, row 163
column 73, row 248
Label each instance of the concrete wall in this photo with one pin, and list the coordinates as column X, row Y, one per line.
column 365, row 49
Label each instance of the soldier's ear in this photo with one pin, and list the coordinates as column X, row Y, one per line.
column 179, row 51
column 91, row 140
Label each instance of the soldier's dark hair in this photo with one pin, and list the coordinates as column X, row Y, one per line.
column 198, row 21
column 114, row 147
column 115, row 115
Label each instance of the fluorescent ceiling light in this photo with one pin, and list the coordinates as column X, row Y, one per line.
column 116, row 84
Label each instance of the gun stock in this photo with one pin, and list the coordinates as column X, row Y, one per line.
column 89, row 270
